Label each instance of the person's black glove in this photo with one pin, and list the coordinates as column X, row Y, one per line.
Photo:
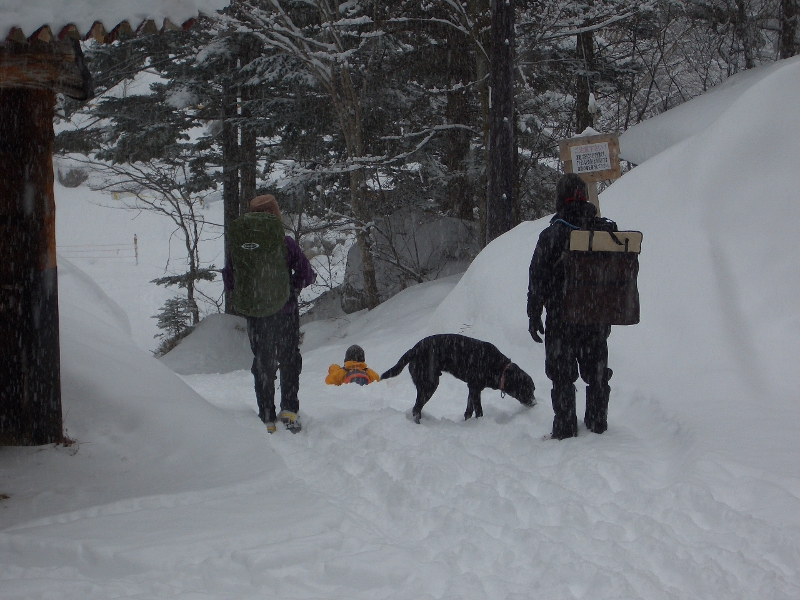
column 536, row 327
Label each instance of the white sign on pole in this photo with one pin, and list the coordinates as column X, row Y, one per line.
column 590, row 158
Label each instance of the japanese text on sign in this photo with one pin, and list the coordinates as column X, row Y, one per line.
column 590, row 158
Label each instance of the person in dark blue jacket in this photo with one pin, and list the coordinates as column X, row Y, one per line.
column 570, row 349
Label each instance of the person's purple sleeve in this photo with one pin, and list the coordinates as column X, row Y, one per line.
column 300, row 272
column 227, row 274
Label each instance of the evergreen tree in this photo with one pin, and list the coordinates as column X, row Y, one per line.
column 175, row 319
column 148, row 143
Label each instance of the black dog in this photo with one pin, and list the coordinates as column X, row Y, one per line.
column 479, row 364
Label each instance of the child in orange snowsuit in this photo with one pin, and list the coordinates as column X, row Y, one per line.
column 355, row 370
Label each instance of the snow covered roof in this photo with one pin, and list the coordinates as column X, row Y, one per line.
column 31, row 15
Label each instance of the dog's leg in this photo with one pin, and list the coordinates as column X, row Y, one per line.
column 474, row 403
column 425, row 389
column 424, row 393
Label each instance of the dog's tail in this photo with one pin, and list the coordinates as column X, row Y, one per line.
column 401, row 364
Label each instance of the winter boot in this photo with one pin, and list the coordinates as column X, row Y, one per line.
column 270, row 420
column 597, row 396
column 291, row 421
column 565, row 422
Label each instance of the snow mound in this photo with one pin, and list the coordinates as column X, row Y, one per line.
column 218, row 344
column 720, row 331
column 138, row 429
column 655, row 135
column 489, row 301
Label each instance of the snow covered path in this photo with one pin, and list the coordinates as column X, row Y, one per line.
column 365, row 504
column 484, row 509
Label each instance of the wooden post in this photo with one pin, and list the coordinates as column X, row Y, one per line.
column 30, row 382
column 500, row 195
column 31, row 73
column 599, row 160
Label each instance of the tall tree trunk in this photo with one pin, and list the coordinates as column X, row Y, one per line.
column 191, row 239
column 230, row 170
column 481, row 15
column 190, row 287
column 251, row 49
column 362, row 213
column 30, row 368
column 348, row 109
column 742, row 27
column 248, row 158
column 500, row 195
column 459, row 198
column 516, row 216
column 788, row 26
column 585, row 51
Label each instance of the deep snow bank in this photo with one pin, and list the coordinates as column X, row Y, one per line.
column 655, row 135
column 139, row 429
column 218, row 344
column 720, row 331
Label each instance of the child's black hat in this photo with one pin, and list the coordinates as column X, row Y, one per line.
column 355, row 354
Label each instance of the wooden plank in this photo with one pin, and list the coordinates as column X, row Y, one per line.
column 601, row 241
column 147, row 27
column 69, row 31
column 594, row 197
column 97, row 32
column 43, row 34
column 120, row 32
column 16, row 35
column 169, row 26
column 612, row 141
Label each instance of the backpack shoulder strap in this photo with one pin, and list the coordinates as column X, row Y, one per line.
column 356, row 376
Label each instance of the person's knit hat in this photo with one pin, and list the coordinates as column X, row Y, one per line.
column 355, row 354
column 265, row 203
column 570, row 188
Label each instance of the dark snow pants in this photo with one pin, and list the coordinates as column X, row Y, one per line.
column 569, row 350
column 275, row 342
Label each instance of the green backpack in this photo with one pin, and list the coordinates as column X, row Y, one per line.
column 258, row 253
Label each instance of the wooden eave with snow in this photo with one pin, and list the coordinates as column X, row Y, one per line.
column 44, row 60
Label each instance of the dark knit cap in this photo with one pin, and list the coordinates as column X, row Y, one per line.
column 355, row 354
column 570, row 188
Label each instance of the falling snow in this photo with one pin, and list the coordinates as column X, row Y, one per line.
column 173, row 488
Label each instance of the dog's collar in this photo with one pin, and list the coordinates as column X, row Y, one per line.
column 503, row 380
